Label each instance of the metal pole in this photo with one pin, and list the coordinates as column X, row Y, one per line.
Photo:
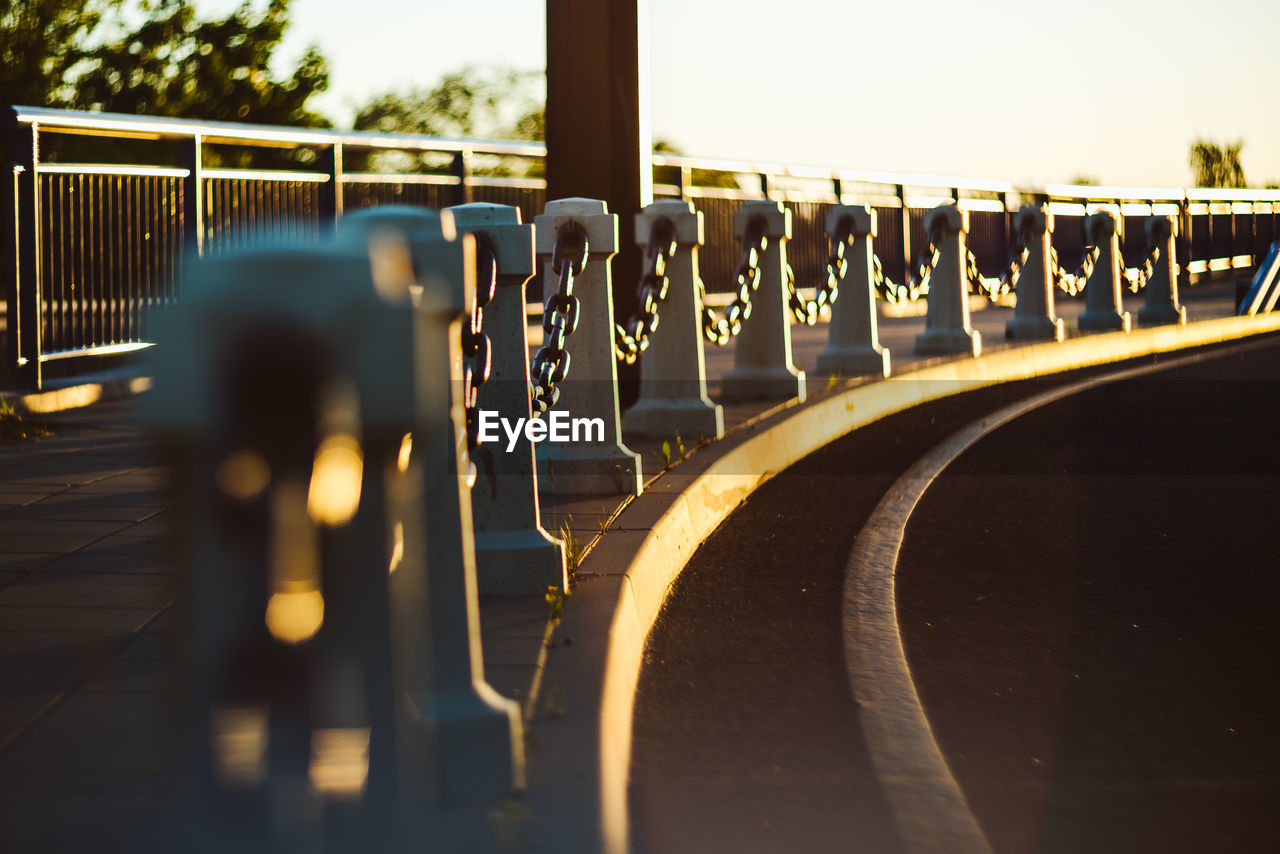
column 190, row 158
column 461, row 169
column 906, row 234
column 330, row 193
column 21, row 222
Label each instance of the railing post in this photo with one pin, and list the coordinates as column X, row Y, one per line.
column 1033, row 314
column 1161, row 303
column 514, row 555
column 478, row 733
column 1103, row 310
column 191, row 157
column 673, row 371
column 21, row 222
column 853, row 344
column 907, row 266
column 460, row 168
column 590, row 390
column 330, row 192
column 762, row 362
column 1184, row 243
column 946, row 322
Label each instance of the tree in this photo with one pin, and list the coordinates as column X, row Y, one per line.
column 41, row 44
column 502, row 103
column 1216, row 165
column 93, row 56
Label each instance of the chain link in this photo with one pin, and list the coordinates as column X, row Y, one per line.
column 1142, row 274
column 632, row 338
column 718, row 330
column 476, row 352
column 806, row 311
column 1073, row 283
column 551, row 362
column 994, row 289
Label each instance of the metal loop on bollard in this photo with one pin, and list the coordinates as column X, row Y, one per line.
column 551, row 362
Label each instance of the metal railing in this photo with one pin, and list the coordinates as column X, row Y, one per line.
column 91, row 247
column 97, row 245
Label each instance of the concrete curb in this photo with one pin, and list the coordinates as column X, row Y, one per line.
column 82, row 391
column 584, row 755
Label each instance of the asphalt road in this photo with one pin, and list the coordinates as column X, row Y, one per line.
column 746, row 736
column 1090, row 602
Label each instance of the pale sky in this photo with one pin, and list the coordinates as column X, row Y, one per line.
column 1028, row 91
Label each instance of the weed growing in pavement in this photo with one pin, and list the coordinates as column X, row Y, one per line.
column 833, row 380
column 16, row 428
column 572, row 547
column 553, row 702
column 666, row 455
column 680, row 446
column 507, row 818
column 555, row 601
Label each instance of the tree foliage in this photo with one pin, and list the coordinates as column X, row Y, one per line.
column 501, row 103
column 156, row 57
column 1215, row 165
column 42, row 42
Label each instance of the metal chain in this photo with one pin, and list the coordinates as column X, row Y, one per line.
column 476, row 352
column 632, row 339
column 718, row 330
column 551, row 362
column 1008, row 279
column 1073, row 283
column 917, row 285
column 806, row 311
column 1138, row 281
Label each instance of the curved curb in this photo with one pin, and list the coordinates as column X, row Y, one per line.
column 623, row 582
column 927, row 804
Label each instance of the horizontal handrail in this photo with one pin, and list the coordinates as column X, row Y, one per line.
column 235, row 132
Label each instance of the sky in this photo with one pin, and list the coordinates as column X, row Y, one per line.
column 1027, row 91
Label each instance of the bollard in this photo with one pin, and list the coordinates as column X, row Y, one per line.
column 286, row 387
column 762, row 362
column 853, row 345
column 673, row 371
column 946, row 322
column 1161, row 304
column 477, row 733
column 596, row 466
column 1033, row 313
column 514, row 555
column 1103, row 309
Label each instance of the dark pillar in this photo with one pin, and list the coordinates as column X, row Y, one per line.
column 190, row 157
column 599, row 141
column 329, row 199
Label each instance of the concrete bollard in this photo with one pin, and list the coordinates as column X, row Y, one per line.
column 478, row 739
column 1033, row 314
column 946, row 323
column 1161, row 304
column 673, row 371
column 590, row 390
column 287, row 384
column 514, row 555
column 1103, row 308
column 762, row 362
column 853, row 345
